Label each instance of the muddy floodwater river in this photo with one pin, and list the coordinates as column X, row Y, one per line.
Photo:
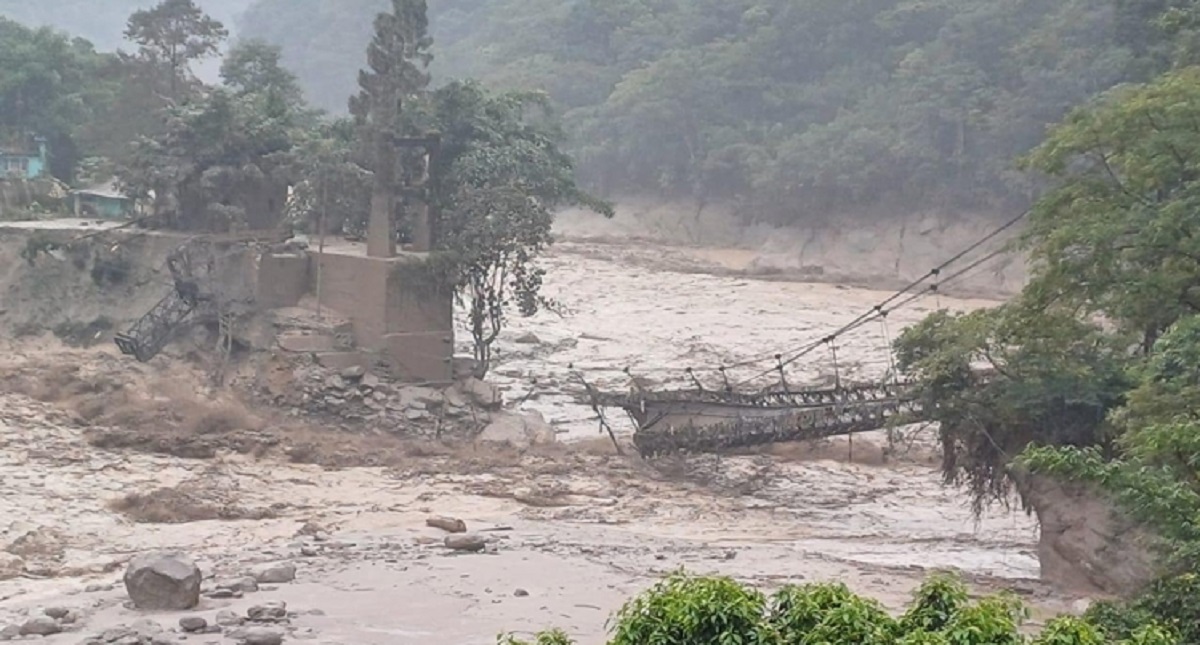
column 578, row 530
column 657, row 312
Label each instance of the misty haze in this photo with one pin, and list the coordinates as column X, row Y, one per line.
column 606, row 322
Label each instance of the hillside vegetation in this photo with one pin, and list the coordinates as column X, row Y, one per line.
column 795, row 108
column 101, row 21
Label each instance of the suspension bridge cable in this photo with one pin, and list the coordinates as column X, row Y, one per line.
column 933, row 273
column 879, row 311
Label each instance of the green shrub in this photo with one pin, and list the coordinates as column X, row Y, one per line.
column 551, row 637
column 688, row 610
column 1174, row 601
column 923, row 638
column 936, row 601
column 691, row 610
column 1116, row 620
column 991, row 621
column 1153, row 634
column 828, row 613
column 1068, row 630
column 797, row 610
column 857, row 622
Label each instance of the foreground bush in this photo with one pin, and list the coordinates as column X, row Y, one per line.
column 691, row 610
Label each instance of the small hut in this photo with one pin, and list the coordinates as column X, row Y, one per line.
column 104, row 201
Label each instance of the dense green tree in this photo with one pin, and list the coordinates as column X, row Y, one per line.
column 331, row 190
column 51, row 86
column 253, row 67
column 1053, row 379
column 497, row 180
column 1094, row 365
column 1116, row 236
column 1113, row 240
column 220, row 163
column 173, row 34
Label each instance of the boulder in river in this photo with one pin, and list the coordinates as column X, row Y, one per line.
column 519, row 430
column 465, row 542
column 163, row 581
column 275, row 573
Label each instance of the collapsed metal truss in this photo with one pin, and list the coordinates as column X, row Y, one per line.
column 151, row 333
column 646, row 407
column 800, row 424
column 704, row 421
column 193, row 266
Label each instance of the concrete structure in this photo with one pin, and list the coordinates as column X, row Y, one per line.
column 381, row 234
column 397, row 326
column 103, row 201
column 401, row 324
column 27, row 160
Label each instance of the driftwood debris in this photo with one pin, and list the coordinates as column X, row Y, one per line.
column 447, row 524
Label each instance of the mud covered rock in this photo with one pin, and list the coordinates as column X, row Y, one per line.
column 258, row 636
column 447, row 524
column 11, row 566
column 192, row 623
column 465, row 542
column 480, row 394
column 275, row 573
column 229, row 618
column 163, row 581
column 57, row 613
column 40, row 626
column 519, row 430
column 268, row 612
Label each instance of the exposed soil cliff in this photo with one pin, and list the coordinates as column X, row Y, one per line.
column 874, row 249
column 81, row 288
column 1087, row 544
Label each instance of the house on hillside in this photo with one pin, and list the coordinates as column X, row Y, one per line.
column 103, row 201
column 25, row 158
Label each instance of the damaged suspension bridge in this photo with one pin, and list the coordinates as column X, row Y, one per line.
column 730, row 417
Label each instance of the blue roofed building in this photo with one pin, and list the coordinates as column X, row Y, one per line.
column 25, row 158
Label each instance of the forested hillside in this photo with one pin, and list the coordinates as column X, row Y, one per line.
column 101, row 21
column 794, row 107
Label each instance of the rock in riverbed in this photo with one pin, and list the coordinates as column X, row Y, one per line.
column 447, row 524
column 465, row 542
column 163, row 581
column 275, row 573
